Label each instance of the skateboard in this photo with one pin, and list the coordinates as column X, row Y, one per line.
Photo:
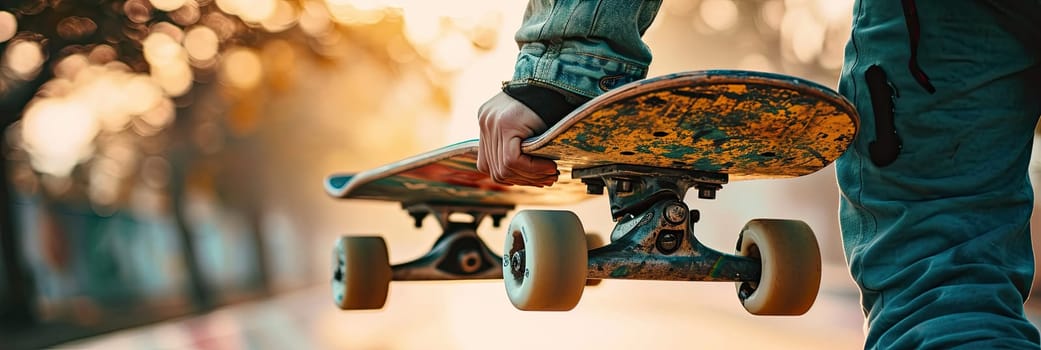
column 646, row 144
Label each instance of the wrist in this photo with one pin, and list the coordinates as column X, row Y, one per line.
column 549, row 104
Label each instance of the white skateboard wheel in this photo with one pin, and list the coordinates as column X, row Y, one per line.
column 791, row 267
column 545, row 260
column 361, row 273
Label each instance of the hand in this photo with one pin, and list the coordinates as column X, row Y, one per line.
column 505, row 123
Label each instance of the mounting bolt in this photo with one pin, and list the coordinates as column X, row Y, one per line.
column 497, row 220
column 707, row 191
column 624, row 186
column 675, row 213
column 695, row 215
column 594, row 187
column 418, row 217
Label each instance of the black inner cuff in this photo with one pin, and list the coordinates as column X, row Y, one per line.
column 549, row 104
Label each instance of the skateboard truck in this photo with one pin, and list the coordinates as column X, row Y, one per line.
column 654, row 235
column 776, row 268
column 361, row 265
column 459, row 253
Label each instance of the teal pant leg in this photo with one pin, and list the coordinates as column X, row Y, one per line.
column 936, row 230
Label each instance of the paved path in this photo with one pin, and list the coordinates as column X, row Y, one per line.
column 477, row 315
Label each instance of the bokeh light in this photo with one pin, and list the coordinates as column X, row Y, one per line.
column 252, row 11
column 8, row 26
column 23, row 59
column 76, row 27
column 720, row 15
column 102, row 54
column 771, row 13
column 167, row 5
column 803, row 33
column 241, row 68
column 169, row 63
column 58, row 134
column 201, row 43
column 283, row 17
column 314, row 19
column 69, row 66
column 138, row 11
column 187, row 14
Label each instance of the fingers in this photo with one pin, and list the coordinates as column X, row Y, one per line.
column 517, row 168
column 505, row 123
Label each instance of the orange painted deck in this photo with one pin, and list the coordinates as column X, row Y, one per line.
column 747, row 125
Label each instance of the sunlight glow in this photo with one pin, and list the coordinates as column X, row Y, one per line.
column 453, row 53
column 83, row 100
column 804, row 33
column 58, row 133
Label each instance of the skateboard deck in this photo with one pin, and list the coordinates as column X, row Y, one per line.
column 743, row 125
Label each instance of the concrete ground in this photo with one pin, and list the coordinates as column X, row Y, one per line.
column 477, row 315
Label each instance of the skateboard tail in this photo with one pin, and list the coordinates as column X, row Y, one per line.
column 336, row 183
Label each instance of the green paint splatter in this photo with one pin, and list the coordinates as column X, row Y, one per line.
column 620, row 272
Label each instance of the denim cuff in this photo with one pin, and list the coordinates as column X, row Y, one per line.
column 569, row 68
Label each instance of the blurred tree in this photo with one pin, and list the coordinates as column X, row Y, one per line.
column 201, row 137
column 62, row 29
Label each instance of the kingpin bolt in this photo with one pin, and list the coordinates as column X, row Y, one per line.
column 675, row 213
column 469, row 261
column 668, row 242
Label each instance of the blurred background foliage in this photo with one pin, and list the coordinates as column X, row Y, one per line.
column 164, row 157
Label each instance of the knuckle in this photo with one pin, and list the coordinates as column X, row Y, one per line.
column 511, row 159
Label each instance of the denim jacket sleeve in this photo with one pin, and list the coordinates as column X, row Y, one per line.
column 582, row 48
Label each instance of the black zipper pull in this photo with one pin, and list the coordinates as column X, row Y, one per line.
column 886, row 147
